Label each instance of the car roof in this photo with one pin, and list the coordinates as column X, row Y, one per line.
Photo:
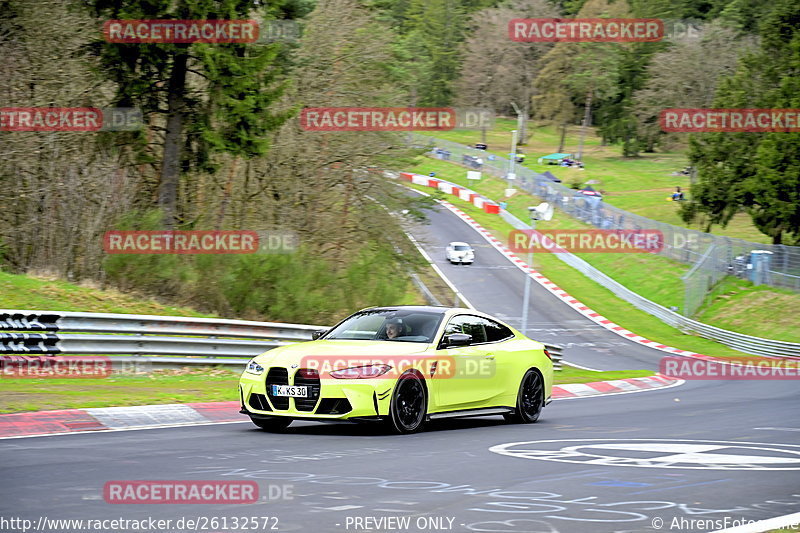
column 426, row 308
column 438, row 309
column 458, row 243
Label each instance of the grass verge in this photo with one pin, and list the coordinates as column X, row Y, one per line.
column 594, row 295
column 640, row 185
column 736, row 305
column 158, row 387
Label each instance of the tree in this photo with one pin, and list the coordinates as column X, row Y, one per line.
column 757, row 172
column 195, row 95
column 685, row 76
column 436, row 30
column 495, row 70
column 584, row 73
column 63, row 188
column 326, row 184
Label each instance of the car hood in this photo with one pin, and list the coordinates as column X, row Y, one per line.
column 294, row 354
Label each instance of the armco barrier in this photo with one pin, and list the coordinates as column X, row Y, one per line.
column 198, row 340
column 737, row 341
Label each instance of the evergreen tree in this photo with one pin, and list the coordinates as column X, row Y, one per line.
column 205, row 98
column 757, row 172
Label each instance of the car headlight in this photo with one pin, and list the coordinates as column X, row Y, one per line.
column 254, row 368
column 361, row 372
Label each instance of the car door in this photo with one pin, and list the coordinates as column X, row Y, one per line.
column 472, row 381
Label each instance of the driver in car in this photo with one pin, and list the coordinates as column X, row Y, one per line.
column 394, row 327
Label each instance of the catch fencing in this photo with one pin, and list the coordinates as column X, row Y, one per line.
column 737, row 341
column 198, row 341
column 715, row 256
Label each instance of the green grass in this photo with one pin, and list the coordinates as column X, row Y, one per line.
column 172, row 386
column 760, row 311
column 597, row 297
column 159, row 387
column 661, row 283
column 738, row 305
column 34, row 293
column 571, row 374
column 640, row 185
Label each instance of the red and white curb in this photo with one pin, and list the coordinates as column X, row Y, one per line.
column 104, row 419
column 616, row 386
column 41, row 423
column 563, row 295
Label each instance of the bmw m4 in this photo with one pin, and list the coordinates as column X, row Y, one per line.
column 402, row 366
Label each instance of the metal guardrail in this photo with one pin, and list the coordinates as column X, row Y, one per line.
column 48, row 332
column 31, row 333
column 737, row 341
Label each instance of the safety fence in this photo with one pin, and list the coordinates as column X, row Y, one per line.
column 774, row 265
column 198, row 341
column 738, row 341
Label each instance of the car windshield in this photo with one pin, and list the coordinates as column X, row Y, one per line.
column 462, row 248
column 388, row 325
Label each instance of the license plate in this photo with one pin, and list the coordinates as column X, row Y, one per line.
column 297, row 391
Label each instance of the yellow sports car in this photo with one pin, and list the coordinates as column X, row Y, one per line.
column 401, row 365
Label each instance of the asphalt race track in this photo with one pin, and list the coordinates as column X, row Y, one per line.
column 691, row 458
column 495, row 286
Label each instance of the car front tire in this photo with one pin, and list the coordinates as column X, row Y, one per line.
column 530, row 399
column 273, row 425
column 409, row 405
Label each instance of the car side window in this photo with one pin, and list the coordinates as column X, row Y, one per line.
column 496, row 332
column 482, row 330
column 471, row 325
column 456, row 325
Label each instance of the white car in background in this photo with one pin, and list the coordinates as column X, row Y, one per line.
column 460, row 252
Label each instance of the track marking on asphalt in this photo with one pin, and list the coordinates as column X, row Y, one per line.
column 780, row 429
column 659, row 453
column 569, row 363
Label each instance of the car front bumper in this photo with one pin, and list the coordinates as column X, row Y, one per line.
column 338, row 399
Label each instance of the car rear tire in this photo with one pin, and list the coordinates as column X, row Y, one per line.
column 530, row 399
column 409, row 405
column 273, row 425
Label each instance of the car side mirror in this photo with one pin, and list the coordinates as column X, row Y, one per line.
column 319, row 333
column 457, row 339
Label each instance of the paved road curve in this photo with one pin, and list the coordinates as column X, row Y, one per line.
column 341, row 472
column 681, row 459
column 495, row 286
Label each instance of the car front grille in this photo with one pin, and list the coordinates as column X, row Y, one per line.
column 277, row 376
column 309, row 378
